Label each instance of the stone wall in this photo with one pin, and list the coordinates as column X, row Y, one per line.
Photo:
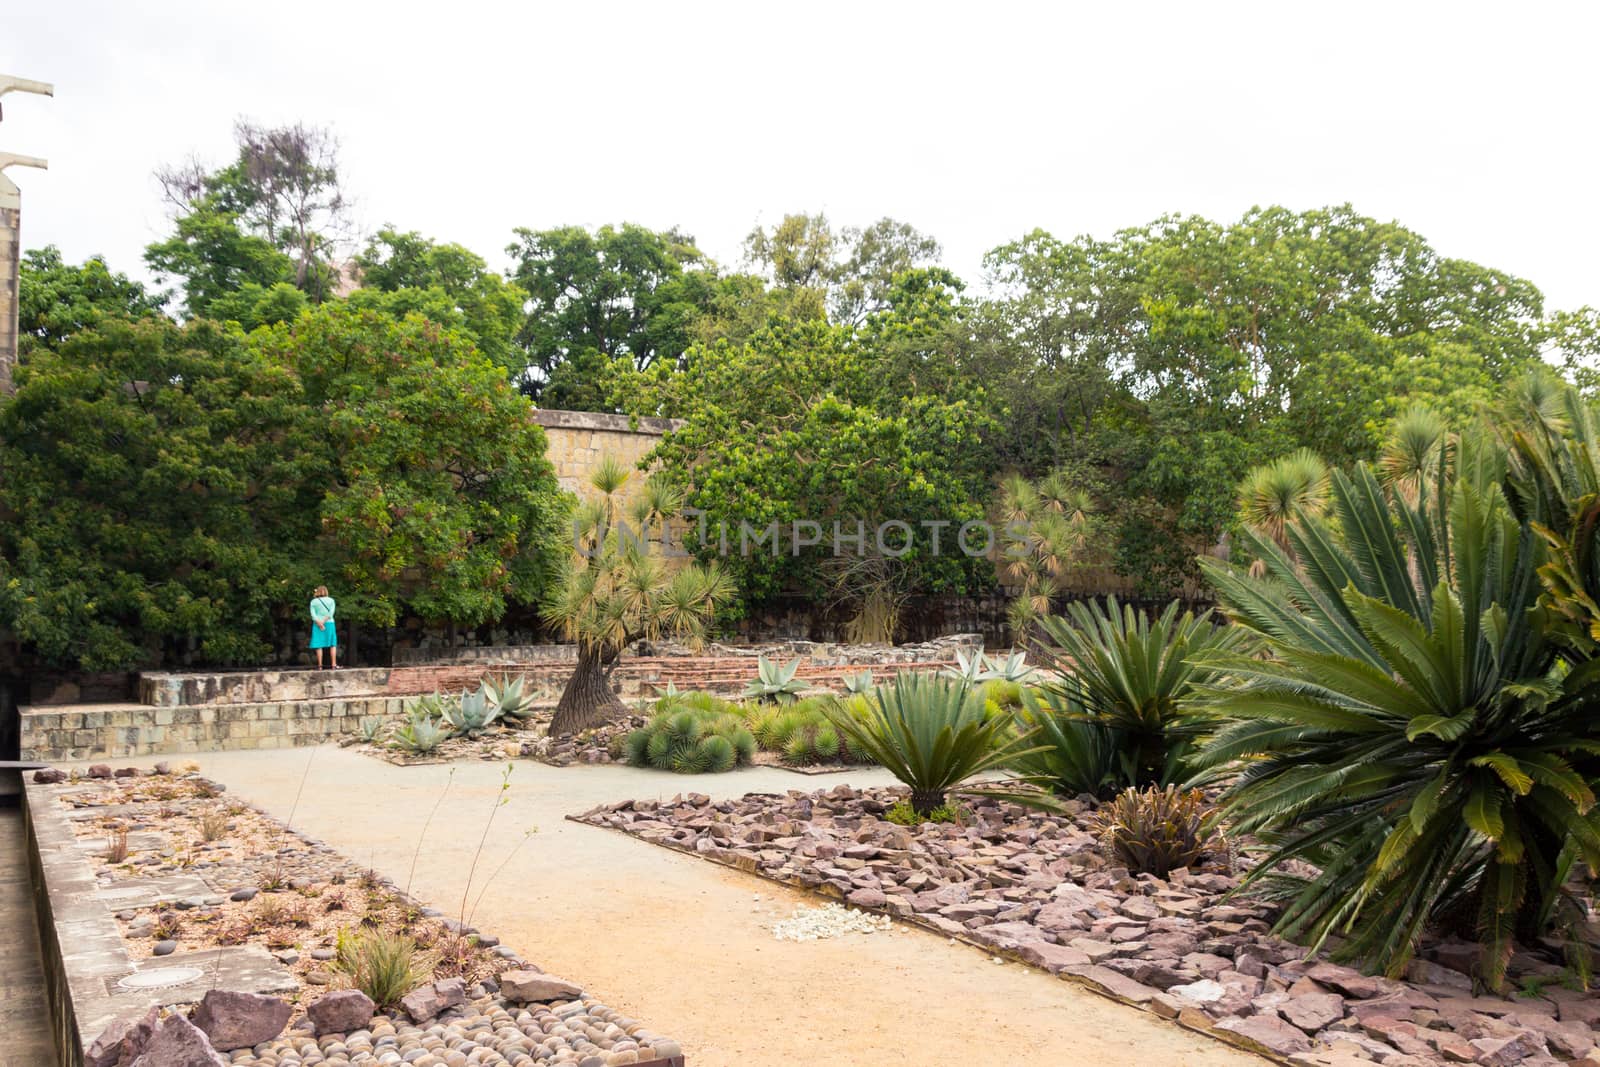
column 578, row 440
column 77, row 733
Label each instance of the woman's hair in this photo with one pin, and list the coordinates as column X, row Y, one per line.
column 320, row 590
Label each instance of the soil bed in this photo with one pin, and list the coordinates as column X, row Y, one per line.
column 1038, row 888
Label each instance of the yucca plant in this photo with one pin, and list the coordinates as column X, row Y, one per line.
column 472, row 714
column 1414, row 735
column 1156, row 831
column 932, row 734
column 1132, row 674
column 774, row 682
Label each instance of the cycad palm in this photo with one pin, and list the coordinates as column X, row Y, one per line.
column 615, row 590
column 1413, row 736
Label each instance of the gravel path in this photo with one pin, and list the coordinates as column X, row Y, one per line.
column 685, row 945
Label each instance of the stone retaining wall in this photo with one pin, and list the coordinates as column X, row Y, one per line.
column 140, row 730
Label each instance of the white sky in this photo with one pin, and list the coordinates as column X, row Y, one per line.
column 975, row 122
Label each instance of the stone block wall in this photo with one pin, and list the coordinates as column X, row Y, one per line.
column 578, row 440
column 140, row 730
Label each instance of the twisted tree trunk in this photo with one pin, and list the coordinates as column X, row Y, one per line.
column 587, row 701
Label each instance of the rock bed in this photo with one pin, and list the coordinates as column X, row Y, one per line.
column 1038, row 888
column 499, row 1009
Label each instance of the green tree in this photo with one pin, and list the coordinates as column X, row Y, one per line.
column 56, row 299
column 629, row 295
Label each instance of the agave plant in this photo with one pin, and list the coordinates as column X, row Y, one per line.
column 1132, row 676
column 1415, row 737
column 1156, row 831
column 432, row 707
column 773, row 682
column 860, row 682
column 418, row 736
column 508, row 694
column 370, row 727
column 969, row 671
column 931, row 733
column 471, row 715
column 1076, row 754
column 1014, row 669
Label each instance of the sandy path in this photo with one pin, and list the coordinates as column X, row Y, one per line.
column 684, row 944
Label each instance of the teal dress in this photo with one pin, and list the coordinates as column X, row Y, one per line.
column 323, row 634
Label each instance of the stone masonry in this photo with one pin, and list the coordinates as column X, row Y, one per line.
column 579, row 439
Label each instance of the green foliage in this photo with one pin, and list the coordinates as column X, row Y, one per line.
column 1046, row 533
column 902, row 813
column 1131, row 674
column 56, row 299
column 1416, row 736
column 691, row 736
column 370, row 727
column 774, row 682
column 1157, row 831
column 931, row 733
column 508, row 695
column 419, row 736
column 472, row 713
column 384, row 965
column 859, row 683
column 802, row 733
column 1076, row 753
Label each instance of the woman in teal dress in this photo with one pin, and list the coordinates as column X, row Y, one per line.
column 323, row 634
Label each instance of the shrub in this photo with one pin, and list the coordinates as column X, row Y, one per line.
column 370, row 727
column 860, row 682
column 471, row 714
column 213, row 825
column 931, row 733
column 383, row 965
column 1132, row 675
column 419, row 736
column 1076, row 753
column 508, row 694
column 691, row 737
column 1156, row 831
column 1416, row 737
column 117, row 845
column 773, row 682
column 902, row 813
column 802, row 734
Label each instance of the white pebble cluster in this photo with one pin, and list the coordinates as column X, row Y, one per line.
column 830, row 920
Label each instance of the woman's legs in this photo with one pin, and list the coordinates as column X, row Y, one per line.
column 319, row 659
column 333, row 654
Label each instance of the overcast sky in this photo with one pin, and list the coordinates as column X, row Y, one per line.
column 976, row 122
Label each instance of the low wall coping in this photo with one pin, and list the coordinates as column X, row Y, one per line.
column 603, row 421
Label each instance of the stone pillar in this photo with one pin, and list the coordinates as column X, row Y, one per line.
column 10, row 264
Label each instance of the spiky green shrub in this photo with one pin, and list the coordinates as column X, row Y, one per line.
column 932, row 734
column 370, row 727
column 433, row 708
column 860, row 682
column 1076, row 753
column 419, row 736
column 1132, row 675
column 774, row 682
column 1416, row 735
column 966, row 670
column 471, row 714
column 691, row 740
column 1156, row 831
column 802, row 734
column 385, row 966
column 1014, row 669
column 508, row 694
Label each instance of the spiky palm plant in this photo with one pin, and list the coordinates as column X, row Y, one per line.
column 1413, row 736
column 1076, row 754
column 616, row 589
column 1416, row 442
column 1275, row 494
column 1047, row 530
column 1131, row 675
column 932, row 734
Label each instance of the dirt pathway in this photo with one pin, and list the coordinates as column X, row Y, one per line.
column 683, row 944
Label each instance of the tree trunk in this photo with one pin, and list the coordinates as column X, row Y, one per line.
column 926, row 801
column 588, row 700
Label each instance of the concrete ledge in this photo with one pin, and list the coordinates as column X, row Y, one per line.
column 603, row 422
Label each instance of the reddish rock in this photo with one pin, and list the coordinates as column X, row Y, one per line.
column 49, row 775
column 100, row 770
column 340, row 1012
column 120, row 1043
column 1268, row 1034
column 1312, row 1011
column 179, row 1043
column 240, row 1020
column 426, row 1003
column 527, row 987
column 867, row 897
column 1505, row 1051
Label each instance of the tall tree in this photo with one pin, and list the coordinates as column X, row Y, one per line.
column 57, row 299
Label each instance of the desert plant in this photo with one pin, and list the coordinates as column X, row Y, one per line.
column 902, row 813
column 471, row 714
column 966, row 670
column 1047, row 532
column 508, row 694
column 383, row 965
column 213, row 825
column 370, row 727
column 774, row 682
column 1417, row 737
column 932, row 734
column 858, row 683
column 1014, row 669
column 431, row 708
column 801, row 733
column 1156, row 831
column 418, row 737
column 1076, row 753
column 167, row 927
column 691, row 740
column 1133, row 674
column 117, row 845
